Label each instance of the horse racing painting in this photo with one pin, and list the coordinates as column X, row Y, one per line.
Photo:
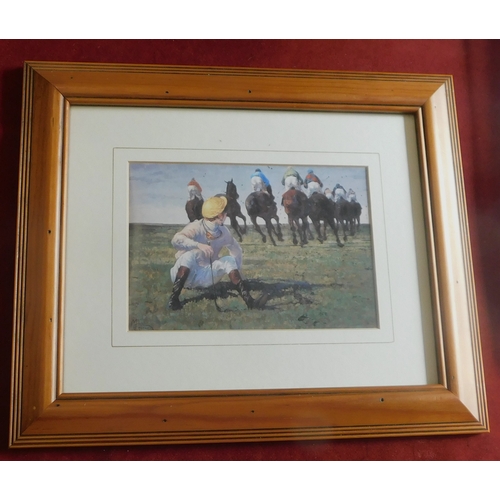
column 253, row 247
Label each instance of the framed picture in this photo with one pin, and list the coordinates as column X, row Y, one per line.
column 235, row 254
column 159, row 210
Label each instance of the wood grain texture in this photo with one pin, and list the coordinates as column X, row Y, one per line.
column 38, row 262
column 248, row 416
column 114, row 84
column 42, row 416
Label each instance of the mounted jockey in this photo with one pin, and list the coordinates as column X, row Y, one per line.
column 351, row 196
column 291, row 178
column 194, row 190
column 198, row 263
column 339, row 193
column 329, row 194
column 261, row 183
column 312, row 182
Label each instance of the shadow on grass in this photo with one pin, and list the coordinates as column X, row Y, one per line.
column 292, row 290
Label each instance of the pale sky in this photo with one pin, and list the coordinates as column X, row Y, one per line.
column 158, row 191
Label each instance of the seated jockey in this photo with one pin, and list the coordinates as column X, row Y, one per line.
column 351, row 195
column 339, row 193
column 291, row 178
column 312, row 182
column 261, row 183
column 198, row 262
column 329, row 194
column 194, row 189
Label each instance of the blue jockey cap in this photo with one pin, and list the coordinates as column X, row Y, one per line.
column 257, row 169
column 310, row 171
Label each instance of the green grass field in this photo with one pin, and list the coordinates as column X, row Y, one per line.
column 317, row 286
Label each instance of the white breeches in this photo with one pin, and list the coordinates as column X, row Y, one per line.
column 202, row 275
column 339, row 195
column 313, row 187
column 258, row 184
column 193, row 192
column 291, row 182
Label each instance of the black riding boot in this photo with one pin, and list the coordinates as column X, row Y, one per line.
column 244, row 291
column 182, row 274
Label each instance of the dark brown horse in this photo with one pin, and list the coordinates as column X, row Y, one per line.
column 193, row 209
column 296, row 206
column 233, row 209
column 260, row 204
column 342, row 212
column 354, row 216
column 322, row 210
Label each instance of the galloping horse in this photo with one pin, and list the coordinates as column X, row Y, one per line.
column 260, row 204
column 296, row 206
column 233, row 209
column 193, row 209
column 355, row 216
column 341, row 213
column 195, row 202
column 322, row 209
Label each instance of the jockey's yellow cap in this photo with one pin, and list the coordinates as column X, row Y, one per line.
column 213, row 206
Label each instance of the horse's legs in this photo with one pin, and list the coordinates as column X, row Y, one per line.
column 291, row 223
column 270, row 230
column 317, row 226
column 244, row 219
column 343, row 225
column 304, row 230
column 277, row 230
column 236, row 227
column 344, row 229
column 352, row 224
column 340, row 223
column 341, row 215
column 257, row 228
column 334, row 226
column 307, row 229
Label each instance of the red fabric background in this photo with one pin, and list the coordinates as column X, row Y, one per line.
column 475, row 65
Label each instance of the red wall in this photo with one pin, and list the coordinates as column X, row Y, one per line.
column 475, row 66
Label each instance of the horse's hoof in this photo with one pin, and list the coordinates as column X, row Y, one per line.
column 264, row 239
column 320, row 240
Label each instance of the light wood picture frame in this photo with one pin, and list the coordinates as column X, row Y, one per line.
column 43, row 415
